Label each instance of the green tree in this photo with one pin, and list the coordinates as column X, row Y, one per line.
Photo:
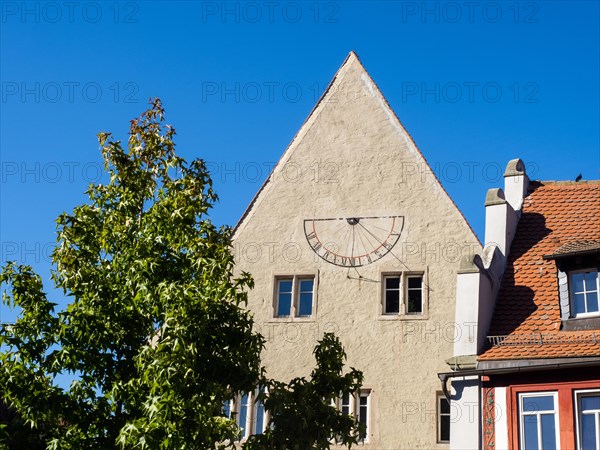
column 301, row 414
column 155, row 334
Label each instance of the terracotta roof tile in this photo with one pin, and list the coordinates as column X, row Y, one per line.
column 556, row 217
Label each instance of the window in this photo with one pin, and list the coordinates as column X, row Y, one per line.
column 392, row 295
column 443, row 418
column 248, row 412
column 538, row 420
column 242, row 417
column 294, row 296
column 364, row 400
column 588, row 419
column 259, row 414
column 284, row 297
column 414, row 295
column 359, row 406
column 227, row 408
column 584, row 292
column 403, row 294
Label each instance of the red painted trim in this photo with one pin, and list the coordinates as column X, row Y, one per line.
column 566, row 410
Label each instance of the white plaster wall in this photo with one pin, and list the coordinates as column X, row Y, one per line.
column 378, row 172
column 501, row 430
column 467, row 313
column 465, row 412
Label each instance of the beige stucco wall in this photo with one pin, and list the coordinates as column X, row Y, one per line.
column 367, row 166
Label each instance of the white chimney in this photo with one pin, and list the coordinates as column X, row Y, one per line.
column 500, row 221
column 516, row 183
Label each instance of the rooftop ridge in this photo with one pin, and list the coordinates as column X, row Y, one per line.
column 565, row 182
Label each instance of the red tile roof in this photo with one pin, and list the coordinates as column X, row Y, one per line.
column 555, row 214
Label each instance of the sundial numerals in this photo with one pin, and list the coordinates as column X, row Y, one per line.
column 353, row 241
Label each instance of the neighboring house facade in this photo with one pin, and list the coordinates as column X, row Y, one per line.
column 536, row 379
column 353, row 233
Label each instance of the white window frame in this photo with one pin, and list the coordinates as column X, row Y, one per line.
column 255, row 413
column 400, row 294
column 422, row 289
column 354, row 409
column 248, row 425
column 231, row 405
column 403, row 295
column 295, row 300
column 523, row 413
column 440, row 396
column 251, row 414
column 577, row 395
column 364, row 393
column 584, row 292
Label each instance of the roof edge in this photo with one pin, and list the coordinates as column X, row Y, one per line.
column 312, row 112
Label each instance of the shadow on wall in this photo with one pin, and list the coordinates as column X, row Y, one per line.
column 516, row 302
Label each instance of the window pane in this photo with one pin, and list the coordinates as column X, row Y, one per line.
column 392, row 302
column 577, row 280
column 285, row 286
column 260, row 418
column 415, row 282
column 444, row 428
column 588, row 432
column 306, row 286
column 414, row 305
column 590, row 402
column 548, row 432
column 592, row 302
column 362, row 411
column 346, row 404
column 392, row 283
column 530, row 432
column 444, row 406
column 541, row 403
column 284, row 304
column 243, row 414
column 590, row 281
column 227, row 408
column 305, row 304
column 579, row 303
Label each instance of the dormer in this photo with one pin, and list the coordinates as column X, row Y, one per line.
column 578, row 266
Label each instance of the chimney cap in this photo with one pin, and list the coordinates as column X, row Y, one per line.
column 495, row 196
column 514, row 168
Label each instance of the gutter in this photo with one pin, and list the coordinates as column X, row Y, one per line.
column 445, row 376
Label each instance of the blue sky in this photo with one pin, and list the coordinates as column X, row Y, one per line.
column 475, row 86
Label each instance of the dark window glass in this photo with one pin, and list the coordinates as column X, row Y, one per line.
column 306, row 298
column 444, row 406
column 414, row 302
column 414, row 282
column 392, row 295
column 392, row 283
column 362, row 412
column 392, row 302
column 284, row 298
column 444, row 419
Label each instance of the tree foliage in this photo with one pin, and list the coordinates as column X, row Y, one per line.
column 155, row 334
column 301, row 411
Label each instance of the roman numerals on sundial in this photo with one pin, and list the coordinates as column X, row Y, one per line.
column 353, row 241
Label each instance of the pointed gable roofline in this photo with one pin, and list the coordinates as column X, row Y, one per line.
column 352, row 56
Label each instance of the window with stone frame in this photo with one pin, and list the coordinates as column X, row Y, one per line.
column 404, row 294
